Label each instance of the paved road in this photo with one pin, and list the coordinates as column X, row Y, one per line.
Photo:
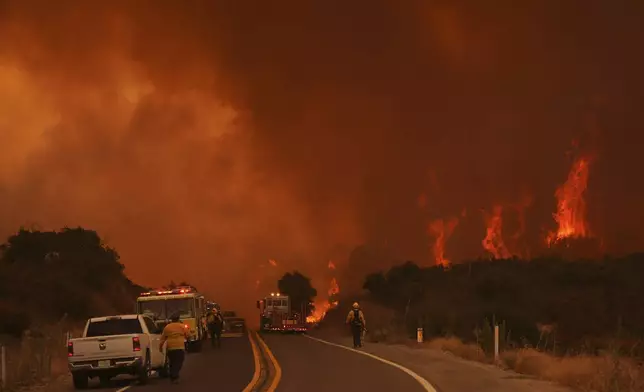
column 308, row 365
column 229, row 369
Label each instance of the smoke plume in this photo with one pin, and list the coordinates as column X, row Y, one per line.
column 203, row 138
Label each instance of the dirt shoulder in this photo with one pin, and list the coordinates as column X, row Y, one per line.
column 446, row 372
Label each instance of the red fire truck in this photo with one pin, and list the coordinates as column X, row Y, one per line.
column 275, row 314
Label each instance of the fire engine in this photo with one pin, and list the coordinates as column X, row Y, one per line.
column 185, row 300
column 276, row 315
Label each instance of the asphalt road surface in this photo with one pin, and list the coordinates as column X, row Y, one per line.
column 306, row 365
column 312, row 366
column 230, row 368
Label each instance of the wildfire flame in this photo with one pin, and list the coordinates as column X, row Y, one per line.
column 571, row 206
column 272, row 262
column 321, row 306
column 441, row 230
column 334, row 289
column 493, row 241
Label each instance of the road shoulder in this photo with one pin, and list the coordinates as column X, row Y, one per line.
column 445, row 371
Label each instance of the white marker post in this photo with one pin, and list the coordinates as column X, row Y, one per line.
column 419, row 335
column 496, row 343
column 3, row 359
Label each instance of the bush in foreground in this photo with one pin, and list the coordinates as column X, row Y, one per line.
column 50, row 282
column 577, row 323
column 605, row 373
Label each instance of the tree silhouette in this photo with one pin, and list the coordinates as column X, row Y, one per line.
column 299, row 289
column 588, row 300
column 47, row 274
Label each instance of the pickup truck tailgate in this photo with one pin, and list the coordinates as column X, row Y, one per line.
column 103, row 347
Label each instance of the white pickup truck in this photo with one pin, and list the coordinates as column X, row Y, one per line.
column 110, row 346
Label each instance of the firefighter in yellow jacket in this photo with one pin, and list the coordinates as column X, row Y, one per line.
column 175, row 335
column 356, row 320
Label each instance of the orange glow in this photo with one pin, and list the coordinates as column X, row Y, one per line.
column 571, row 206
column 331, row 265
column 526, row 201
column 441, row 230
column 421, row 201
column 493, row 241
column 323, row 306
column 334, row 289
column 272, row 262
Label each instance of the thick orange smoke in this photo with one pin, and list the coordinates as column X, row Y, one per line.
column 187, row 138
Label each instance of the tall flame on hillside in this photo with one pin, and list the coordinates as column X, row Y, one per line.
column 571, row 206
column 322, row 306
column 441, row 230
column 493, row 241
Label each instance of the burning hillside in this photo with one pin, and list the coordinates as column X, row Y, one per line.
column 570, row 218
column 185, row 136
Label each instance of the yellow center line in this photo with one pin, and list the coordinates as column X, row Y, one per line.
column 276, row 365
column 258, row 368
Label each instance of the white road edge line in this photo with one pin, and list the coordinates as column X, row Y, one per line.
column 425, row 384
column 124, row 388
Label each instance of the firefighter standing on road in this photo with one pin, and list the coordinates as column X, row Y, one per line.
column 215, row 325
column 357, row 322
column 175, row 335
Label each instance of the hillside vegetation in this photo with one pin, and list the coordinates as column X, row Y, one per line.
column 564, row 307
column 48, row 276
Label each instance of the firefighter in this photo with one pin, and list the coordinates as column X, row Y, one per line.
column 356, row 320
column 175, row 335
column 215, row 325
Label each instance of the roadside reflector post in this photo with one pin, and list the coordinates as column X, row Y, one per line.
column 419, row 335
column 496, row 343
column 3, row 359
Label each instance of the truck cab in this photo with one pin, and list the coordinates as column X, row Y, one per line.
column 186, row 301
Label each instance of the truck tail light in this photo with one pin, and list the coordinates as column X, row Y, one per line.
column 136, row 344
column 70, row 349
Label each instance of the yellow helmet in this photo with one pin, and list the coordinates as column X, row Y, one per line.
column 356, row 305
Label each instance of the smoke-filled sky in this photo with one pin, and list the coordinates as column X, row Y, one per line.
column 215, row 135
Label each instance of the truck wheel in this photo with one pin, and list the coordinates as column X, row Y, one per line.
column 80, row 380
column 144, row 371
